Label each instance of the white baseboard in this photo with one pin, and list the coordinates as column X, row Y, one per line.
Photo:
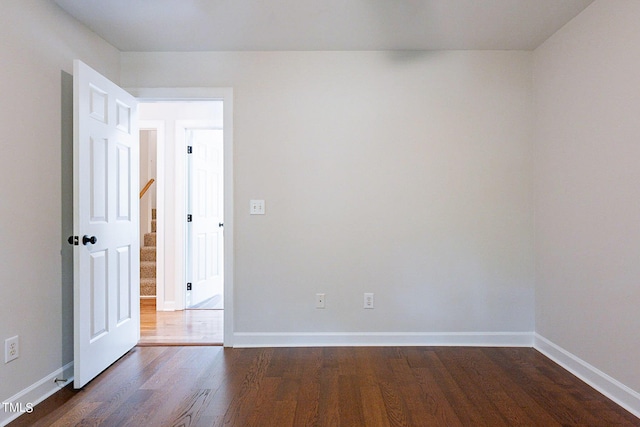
column 169, row 306
column 35, row 393
column 376, row 339
column 610, row 387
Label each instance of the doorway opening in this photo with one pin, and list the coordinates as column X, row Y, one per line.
column 182, row 218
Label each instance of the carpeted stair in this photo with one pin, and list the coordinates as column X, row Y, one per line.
column 148, row 261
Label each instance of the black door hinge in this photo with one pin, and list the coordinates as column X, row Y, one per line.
column 189, row 218
column 189, row 149
column 188, row 286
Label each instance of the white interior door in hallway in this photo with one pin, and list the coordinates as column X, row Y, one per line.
column 205, row 207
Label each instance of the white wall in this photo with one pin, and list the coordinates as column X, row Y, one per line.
column 148, row 138
column 404, row 174
column 587, row 151
column 38, row 43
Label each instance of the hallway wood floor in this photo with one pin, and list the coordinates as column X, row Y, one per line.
column 346, row 386
column 185, row 327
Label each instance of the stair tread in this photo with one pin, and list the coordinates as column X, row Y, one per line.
column 147, row 260
column 149, row 239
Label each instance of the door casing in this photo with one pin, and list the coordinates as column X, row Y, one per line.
column 202, row 94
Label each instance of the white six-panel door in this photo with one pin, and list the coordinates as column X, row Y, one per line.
column 106, row 181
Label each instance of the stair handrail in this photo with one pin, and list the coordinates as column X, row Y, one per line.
column 146, row 187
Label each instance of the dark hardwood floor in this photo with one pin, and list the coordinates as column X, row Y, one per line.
column 346, row 386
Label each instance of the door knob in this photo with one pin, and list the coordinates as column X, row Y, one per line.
column 86, row 239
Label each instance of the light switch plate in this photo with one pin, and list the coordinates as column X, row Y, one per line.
column 256, row 207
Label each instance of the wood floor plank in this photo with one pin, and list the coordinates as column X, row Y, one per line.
column 178, row 398
column 437, row 404
column 328, row 400
column 348, row 393
column 243, row 402
column 264, row 404
column 283, row 413
column 541, row 381
column 373, row 407
column 394, row 406
column 465, row 411
column 120, row 416
column 306, row 413
column 191, row 408
column 133, row 369
column 481, row 371
column 179, row 328
column 412, row 394
column 500, row 375
column 387, row 386
column 457, row 360
column 81, row 411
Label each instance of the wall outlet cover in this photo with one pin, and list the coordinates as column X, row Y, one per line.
column 256, row 207
column 11, row 349
column 368, row 300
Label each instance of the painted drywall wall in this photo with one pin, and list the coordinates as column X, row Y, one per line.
column 148, row 158
column 408, row 175
column 38, row 43
column 587, row 91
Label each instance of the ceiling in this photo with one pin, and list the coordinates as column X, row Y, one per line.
column 243, row 25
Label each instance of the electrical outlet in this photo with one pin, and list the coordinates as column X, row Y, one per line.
column 11, row 349
column 319, row 300
column 256, row 207
column 368, row 300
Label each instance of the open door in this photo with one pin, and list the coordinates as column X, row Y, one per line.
column 105, row 223
column 205, row 245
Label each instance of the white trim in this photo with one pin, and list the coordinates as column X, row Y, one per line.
column 153, row 94
column 227, row 124
column 37, row 392
column 180, row 208
column 359, row 339
column 167, row 306
column 624, row 396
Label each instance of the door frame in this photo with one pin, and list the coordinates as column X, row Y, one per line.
column 167, row 94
